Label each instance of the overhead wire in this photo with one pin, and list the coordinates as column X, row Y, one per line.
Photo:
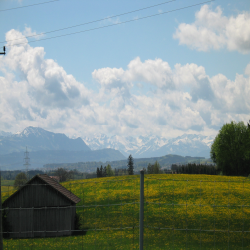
column 98, row 20
column 110, row 25
column 25, row 6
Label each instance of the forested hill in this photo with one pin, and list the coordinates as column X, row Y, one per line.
column 139, row 163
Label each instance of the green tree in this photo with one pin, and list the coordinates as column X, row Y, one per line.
column 130, row 165
column 109, row 170
column 156, row 168
column 231, row 149
column 98, row 173
column 150, row 169
column 101, row 171
column 104, row 172
column 64, row 174
column 20, row 180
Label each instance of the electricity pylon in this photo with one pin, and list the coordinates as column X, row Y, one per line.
column 26, row 162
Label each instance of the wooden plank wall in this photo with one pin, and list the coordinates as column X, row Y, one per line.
column 41, row 222
column 37, row 210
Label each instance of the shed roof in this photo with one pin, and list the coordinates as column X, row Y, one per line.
column 52, row 183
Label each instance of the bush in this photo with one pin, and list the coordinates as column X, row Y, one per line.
column 20, row 180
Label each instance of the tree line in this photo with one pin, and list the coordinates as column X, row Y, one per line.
column 107, row 171
column 192, row 168
column 62, row 174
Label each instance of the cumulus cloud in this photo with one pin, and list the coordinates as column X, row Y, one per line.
column 35, row 91
column 213, row 30
column 185, row 96
column 156, row 72
column 43, row 85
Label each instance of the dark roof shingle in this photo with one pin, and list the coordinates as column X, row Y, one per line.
column 53, row 183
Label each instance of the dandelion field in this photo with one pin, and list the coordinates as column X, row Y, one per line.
column 180, row 212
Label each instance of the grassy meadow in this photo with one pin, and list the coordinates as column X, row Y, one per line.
column 180, row 212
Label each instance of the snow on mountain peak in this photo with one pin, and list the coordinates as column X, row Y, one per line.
column 150, row 146
column 32, row 131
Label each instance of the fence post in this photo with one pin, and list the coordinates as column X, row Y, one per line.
column 141, row 208
column 1, row 222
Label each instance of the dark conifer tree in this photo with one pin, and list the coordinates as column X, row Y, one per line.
column 150, row 169
column 98, row 173
column 101, row 171
column 104, row 172
column 130, row 165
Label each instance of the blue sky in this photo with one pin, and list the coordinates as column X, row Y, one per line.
column 187, row 71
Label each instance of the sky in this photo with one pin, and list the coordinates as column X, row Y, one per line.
column 183, row 69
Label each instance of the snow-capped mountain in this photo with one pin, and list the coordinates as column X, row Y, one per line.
column 153, row 146
column 140, row 147
column 47, row 147
column 39, row 139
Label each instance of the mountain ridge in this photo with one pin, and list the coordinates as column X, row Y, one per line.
column 39, row 139
column 152, row 146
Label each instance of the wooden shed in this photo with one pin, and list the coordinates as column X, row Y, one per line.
column 41, row 208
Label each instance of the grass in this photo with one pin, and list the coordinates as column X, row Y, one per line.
column 7, row 182
column 197, row 212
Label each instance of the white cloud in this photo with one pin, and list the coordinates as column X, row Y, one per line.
column 184, row 97
column 28, row 32
column 43, row 90
column 155, row 72
column 247, row 69
column 35, row 91
column 109, row 20
column 212, row 30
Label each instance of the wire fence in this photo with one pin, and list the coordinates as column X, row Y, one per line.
column 199, row 214
column 184, row 212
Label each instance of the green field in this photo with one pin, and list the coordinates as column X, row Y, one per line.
column 7, row 182
column 181, row 212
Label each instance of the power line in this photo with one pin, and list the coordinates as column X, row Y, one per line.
column 132, row 20
column 77, row 25
column 6, row 165
column 30, row 5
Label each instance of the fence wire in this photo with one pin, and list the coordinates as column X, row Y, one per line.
column 178, row 214
column 197, row 214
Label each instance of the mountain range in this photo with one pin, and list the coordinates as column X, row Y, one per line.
column 47, row 147
column 37, row 139
column 153, row 146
